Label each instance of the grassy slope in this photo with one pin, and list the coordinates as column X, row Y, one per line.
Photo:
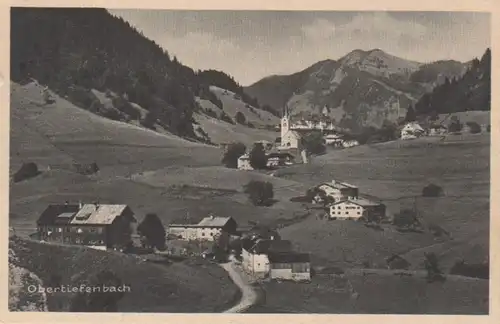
column 60, row 134
column 396, row 172
column 401, row 295
column 178, row 287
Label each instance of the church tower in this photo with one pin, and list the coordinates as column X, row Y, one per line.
column 285, row 123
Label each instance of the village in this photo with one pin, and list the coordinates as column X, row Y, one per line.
column 258, row 252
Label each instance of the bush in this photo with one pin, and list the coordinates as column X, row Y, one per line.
column 250, row 125
column 240, row 118
column 479, row 270
column 474, row 127
column 258, row 158
column 260, row 193
column 431, row 264
column 233, row 152
column 432, row 190
column 152, row 232
column 26, row 171
column 225, row 117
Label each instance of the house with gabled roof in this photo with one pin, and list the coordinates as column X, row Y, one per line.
column 100, row 226
column 357, row 208
column 207, row 229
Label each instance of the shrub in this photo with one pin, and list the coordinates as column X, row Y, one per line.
column 431, row 264
column 225, row 117
column 26, row 171
column 260, row 193
column 233, row 152
column 432, row 190
column 240, row 118
column 152, row 232
column 258, row 158
column 474, row 127
column 250, row 125
column 479, row 270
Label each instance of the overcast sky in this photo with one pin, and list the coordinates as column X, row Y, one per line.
column 250, row 45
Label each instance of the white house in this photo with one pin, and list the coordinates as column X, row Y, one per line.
column 255, row 254
column 334, row 139
column 412, row 130
column 437, row 130
column 356, row 208
column 207, row 229
column 244, row 162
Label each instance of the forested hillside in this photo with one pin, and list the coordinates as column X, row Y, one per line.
column 75, row 50
column 470, row 92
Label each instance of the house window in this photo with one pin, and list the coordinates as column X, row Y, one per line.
column 99, row 230
column 59, row 229
column 359, row 213
column 78, row 240
column 202, row 234
column 67, row 229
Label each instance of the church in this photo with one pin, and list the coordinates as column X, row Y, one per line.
column 290, row 139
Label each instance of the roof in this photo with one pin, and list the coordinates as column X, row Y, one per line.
column 244, row 157
column 289, row 257
column 51, row 214
column 338, row 185
column 359, row 201
column 265, row 246
column 98, row 214
column 279, row 155
column 214, row 221
column 207, row 222
column 72, row 214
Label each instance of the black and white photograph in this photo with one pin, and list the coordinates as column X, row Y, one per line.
column 249, row 161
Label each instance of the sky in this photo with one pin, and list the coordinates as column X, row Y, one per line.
column 251, row 45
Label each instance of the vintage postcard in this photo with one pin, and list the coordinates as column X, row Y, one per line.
column 175, row 160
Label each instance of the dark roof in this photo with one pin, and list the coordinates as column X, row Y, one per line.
column 262, row 246
column 280, row 155
column 288, row 257
column 51, row 213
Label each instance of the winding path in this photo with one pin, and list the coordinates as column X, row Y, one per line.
column 248, row 294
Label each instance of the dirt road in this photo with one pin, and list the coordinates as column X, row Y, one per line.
column 248, row 294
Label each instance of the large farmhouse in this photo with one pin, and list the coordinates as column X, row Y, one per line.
column 357, row 208
column 206, row 230
column 100, row 226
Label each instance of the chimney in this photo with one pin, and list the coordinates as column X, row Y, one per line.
column 211, row 216
column 80, row 205
column 66, row 203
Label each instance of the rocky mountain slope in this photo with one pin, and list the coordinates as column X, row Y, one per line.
column 363, row 88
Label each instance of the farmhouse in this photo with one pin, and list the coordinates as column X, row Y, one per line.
column 412, row 130
column 337, row 190
column 357, row 208
column 290, row 266
column 244, row 162
column 255, row 254
column 100, row 226
column 206, row 230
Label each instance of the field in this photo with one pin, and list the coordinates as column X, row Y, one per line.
column 377, row 294
column 175, row 287
column 396, row 172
